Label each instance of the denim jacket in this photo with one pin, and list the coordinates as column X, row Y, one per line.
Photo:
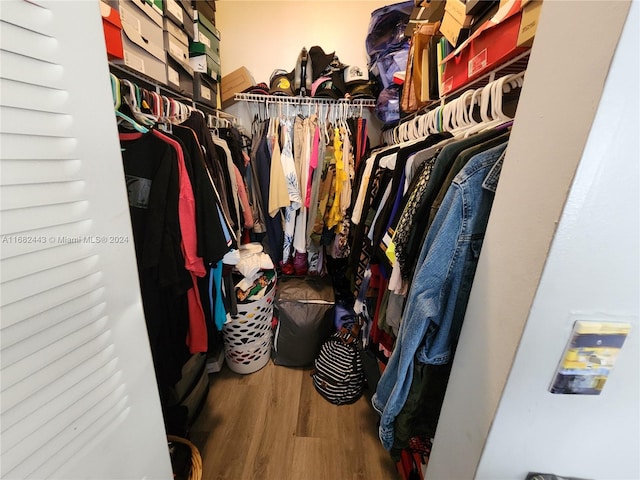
column 440, row 289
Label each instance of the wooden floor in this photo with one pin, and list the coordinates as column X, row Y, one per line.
column 273, row 425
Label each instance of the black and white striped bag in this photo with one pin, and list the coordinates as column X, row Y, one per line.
column 338, row 374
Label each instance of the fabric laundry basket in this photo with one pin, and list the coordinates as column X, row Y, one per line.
column 248, row 337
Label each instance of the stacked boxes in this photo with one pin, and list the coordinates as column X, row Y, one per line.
column 204, row 54
column 142, row 38
column 178, row 32
column 173, row 42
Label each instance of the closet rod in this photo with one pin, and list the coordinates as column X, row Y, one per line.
column 232, row 120
column 259, row 98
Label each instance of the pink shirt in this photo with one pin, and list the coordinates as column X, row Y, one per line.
column 313, row 164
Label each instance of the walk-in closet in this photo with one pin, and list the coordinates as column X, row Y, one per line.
column 319, row 240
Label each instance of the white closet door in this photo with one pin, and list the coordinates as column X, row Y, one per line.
column 78, row 393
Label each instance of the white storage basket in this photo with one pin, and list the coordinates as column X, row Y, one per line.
column 248, row 337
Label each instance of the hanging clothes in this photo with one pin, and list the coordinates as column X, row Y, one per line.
column 439, row 293
column 293, row 190
column 151, row 171
column 217, row 169
column 213, row 238
column 263, row 166
column 197, row 336
column 418, row 228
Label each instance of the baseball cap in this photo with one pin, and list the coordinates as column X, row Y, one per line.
column 354, row 75
column 329, row 87
column 280, row 83
column 317, row 83
column 362, row 91
column 261, row 89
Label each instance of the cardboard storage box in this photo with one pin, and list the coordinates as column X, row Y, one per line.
column 176, row 48
column 143, row 43
column 235, row 82
column 112, row 27
column 205, row 90
column 180, row 14
column 529, row 25
column 176, row 32
column 478, row 7
column 206, row 8
column 205, row 32
column 179, row 76
column 432, row 12
column 155, row 4
column 452, row 30
column 457, row 9
column 151, row 8
column 202, row 59
column 491, row 45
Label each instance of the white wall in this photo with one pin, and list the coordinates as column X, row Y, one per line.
column 592, row 272
column 563, row 84
column 265, row 35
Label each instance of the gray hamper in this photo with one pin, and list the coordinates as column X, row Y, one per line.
column 304, row 307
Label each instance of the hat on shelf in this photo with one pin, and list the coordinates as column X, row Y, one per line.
column 324, row 63
column 328, row 87
column 280, row 83
column 361, row 91
column 354, row 75
column 317, row 83
column 357, row 83
column 259, row 89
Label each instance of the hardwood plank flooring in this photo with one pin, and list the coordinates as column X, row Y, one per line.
column 273, row 425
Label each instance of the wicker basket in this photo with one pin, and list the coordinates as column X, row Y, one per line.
column 248, row 337
column 196, row 460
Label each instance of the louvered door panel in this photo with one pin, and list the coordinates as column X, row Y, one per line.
column 79, row 398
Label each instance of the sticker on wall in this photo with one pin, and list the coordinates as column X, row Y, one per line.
column 589, row 357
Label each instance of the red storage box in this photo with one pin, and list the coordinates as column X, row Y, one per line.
column 491, row 45
column 112, row 27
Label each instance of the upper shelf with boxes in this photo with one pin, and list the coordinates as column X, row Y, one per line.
column 475, row 42
column 172, row 43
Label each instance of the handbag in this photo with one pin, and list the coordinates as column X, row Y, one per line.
column 420, row 83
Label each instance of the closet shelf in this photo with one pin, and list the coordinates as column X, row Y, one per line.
column 515, row 65
column 147, row 82
column 281, row 99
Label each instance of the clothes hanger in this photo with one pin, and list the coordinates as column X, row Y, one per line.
column 497, row 113
column 117, row 98
column 414, row 130
column 434, row 120
column 115, row 91
column 461, row 119
column 345, row 124
column 131, row 122
column 485, row 98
